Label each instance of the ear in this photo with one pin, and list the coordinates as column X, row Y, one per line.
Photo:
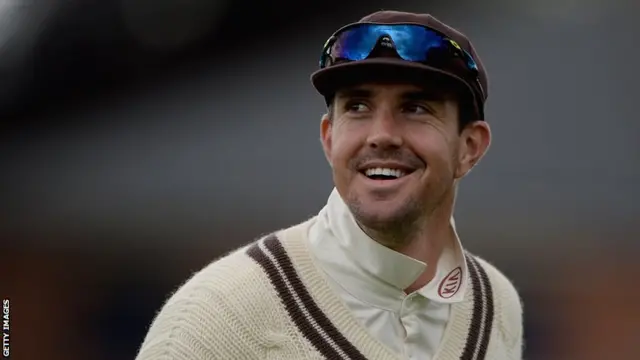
column 326, row 125
column 474, row 143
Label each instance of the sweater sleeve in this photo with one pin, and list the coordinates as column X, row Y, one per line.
column 509, row 312
column 196, row 323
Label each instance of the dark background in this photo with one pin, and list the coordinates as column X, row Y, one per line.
column 141, row 139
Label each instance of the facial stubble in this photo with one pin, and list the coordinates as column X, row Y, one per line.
column 394, row 231
column 409, row 220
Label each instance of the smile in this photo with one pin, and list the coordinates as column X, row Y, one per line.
column 386, row 175
column 383, row 171
column 380, row 173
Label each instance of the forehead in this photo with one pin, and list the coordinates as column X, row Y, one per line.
column 393, row 90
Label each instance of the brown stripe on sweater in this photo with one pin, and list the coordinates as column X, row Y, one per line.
column 489, row 310
column 476, row 317
column 275, row 247
column 295, row 313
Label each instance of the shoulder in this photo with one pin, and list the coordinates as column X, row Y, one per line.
column 507, row 304
column 240, row 273
column 221, row 276
column 214, row 309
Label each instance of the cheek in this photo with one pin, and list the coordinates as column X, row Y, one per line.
column 435, row 149
column 345, row 146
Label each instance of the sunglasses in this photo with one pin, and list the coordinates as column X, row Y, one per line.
column 412, row 42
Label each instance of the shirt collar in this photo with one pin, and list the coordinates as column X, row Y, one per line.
column 359, row 264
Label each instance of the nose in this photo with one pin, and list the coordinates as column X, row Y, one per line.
column 384, row 131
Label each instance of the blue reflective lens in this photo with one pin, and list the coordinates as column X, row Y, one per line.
column 412, row 43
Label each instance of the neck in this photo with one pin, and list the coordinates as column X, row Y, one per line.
column 427, row 246
column 425, row 242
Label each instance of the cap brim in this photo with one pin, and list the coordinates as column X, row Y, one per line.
column 328, row 80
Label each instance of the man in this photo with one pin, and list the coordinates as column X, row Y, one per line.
column 380, row 272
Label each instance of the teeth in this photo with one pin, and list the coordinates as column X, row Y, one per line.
column 385, row 172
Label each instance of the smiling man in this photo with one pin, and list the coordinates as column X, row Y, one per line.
column 380, row 272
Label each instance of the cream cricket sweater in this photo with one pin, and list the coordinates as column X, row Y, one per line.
column 371, row 280
column 269, row 300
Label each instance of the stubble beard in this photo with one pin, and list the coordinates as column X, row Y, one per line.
column 400, row 229
column 409, row 221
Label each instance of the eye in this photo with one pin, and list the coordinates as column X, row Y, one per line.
column 356, row 107
column 416, row 109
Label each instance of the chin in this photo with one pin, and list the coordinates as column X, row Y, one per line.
column 379, row 215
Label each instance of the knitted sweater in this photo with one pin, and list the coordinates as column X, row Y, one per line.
column 269, row 300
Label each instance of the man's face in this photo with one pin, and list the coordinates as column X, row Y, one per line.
column 395, row 151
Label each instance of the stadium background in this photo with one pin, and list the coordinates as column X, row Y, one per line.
column 141, row 139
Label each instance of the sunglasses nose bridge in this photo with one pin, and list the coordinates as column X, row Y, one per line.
column 385, row 41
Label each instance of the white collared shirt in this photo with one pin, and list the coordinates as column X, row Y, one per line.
column 371, row 278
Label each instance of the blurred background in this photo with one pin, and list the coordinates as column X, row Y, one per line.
column 142, row 139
